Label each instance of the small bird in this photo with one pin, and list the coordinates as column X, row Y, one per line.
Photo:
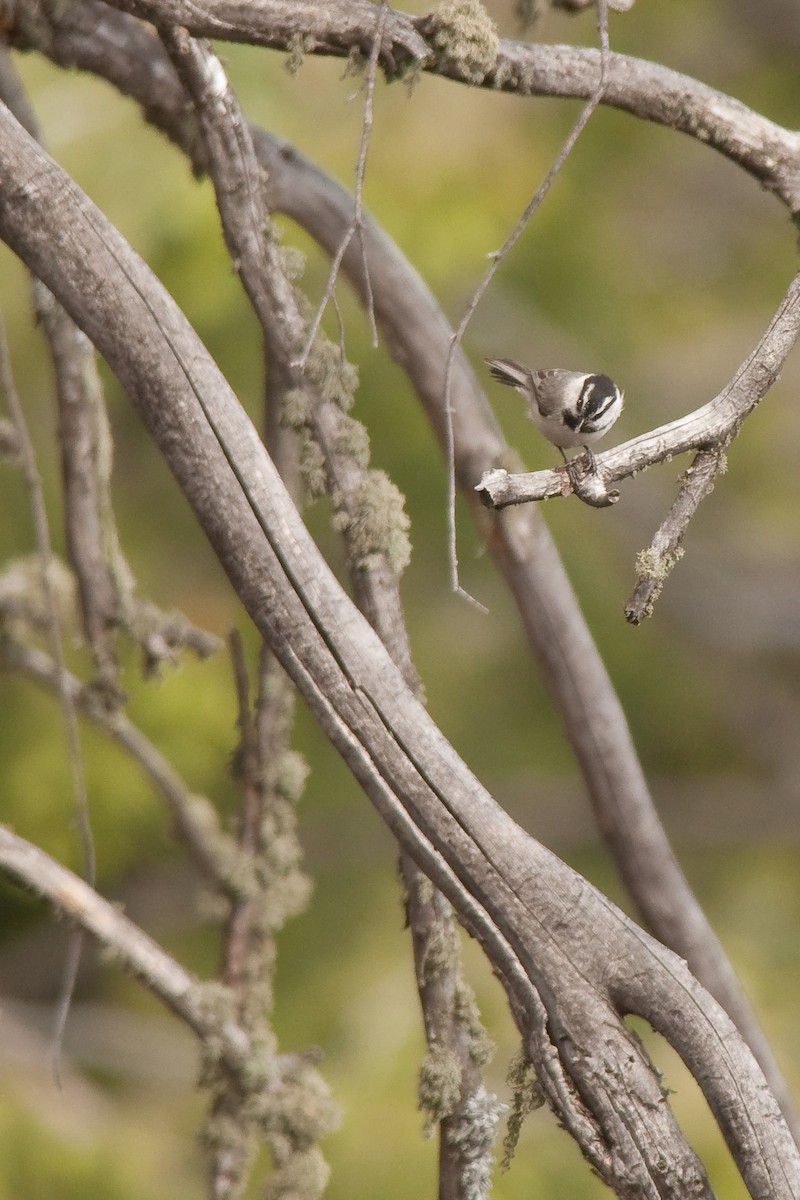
column 569, row 407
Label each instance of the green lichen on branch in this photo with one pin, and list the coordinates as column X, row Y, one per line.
column 481, row 1045
column 441, row 958
column 526, row 1096
column 657, row 565
column 441, row 952
column 464, row 37
column 296, row 409
column 312, row 468
column 329, row 379
column 653, row 568
column 290, row 1106
column 473, row 1134
column 376, row 525
column 332, row 374
column 299, row 45
column 439, row 1087
column 353, row 442
column 304, row 1177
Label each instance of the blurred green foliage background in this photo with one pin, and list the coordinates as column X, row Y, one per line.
column 653, row 259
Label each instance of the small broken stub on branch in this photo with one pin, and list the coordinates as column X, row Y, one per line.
column 499, row 489
column 589, row 485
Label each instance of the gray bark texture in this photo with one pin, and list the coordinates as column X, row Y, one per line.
column 572, row 964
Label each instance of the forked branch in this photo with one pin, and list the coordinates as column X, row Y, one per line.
column 766, row 150
column 560, row 948
column 711, row 427
column 418, row 335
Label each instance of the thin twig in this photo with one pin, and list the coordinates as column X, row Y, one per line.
column 163, row 975
column 496, row 259
column 357, row 223
column 80, row 798
column 656, row 562
column 105, row 583
column 195, row 818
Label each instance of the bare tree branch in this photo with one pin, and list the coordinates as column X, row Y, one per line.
column 310, row 26
column 418, row 335
column 271, row 780
column 712, row 426
column 462, row 1104
column 766, row 150
column 546, row 930
column 202, row 1008
column 194, row 817
column 665, row 550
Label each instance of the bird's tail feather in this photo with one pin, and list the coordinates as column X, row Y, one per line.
column 508, row 371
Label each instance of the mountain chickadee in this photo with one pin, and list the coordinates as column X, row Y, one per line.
column 568, row 407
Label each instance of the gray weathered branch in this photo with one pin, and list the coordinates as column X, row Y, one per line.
column 240, row 187
column 202, row 1008
column 303, row 26
column 655, row 563
column 418, row 335
column 554, row 940
column 767, row 151
column 712, row 426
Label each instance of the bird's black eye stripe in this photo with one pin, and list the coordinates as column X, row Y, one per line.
column 597, row 396
column 596, row 408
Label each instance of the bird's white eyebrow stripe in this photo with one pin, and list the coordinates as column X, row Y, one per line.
column 610, row 400
column 586, row 393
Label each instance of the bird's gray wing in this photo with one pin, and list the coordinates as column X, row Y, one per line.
column 548, row 390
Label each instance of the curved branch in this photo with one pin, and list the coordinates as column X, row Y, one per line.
column 239, row 186
column 304, row 26
column 195, row 818
column 542, row 925
column 200, row 1007
column 767, row 151
column 418, row 335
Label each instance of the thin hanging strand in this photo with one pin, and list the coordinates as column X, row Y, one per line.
column 356, row 226
column 79, row 792
column 497, row 258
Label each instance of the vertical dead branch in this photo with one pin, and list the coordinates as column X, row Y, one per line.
column 86, row 450
column 518, row 918
column 80, row 799
column 369, row 513
column 559, row 947
column 417, row 334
